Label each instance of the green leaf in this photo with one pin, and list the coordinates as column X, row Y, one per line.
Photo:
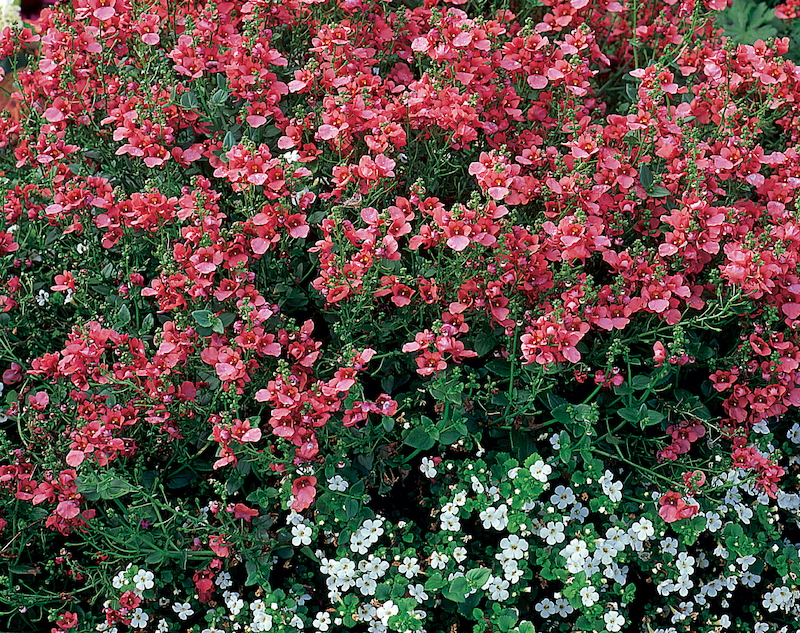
column 640, row 382
column 499, row 367
column 457, row 591
column 451, row 435
column 623, row 390
column 189, row 100
column 421, row 438
column 561, row 414
column 435, row 582
column 310, row 554
column 147, row 324
column 114, row 488
column 658, row 192
column 180, row 481
column 484, row 343
column 154, row 558
column 746, row 21
column 646, row 177
column 228, row 141
column 204, row 318
column 123, row 315
column 220, row 97
column 22, row 570
column 654, row 417
column 478, row 577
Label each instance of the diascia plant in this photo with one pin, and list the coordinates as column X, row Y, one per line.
column 398, row 316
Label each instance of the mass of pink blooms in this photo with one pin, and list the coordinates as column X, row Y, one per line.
column 494, row 87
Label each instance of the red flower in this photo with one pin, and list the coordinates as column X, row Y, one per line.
column 241, row 511
column 304, row 493
column 218, row 545
column 674, row 508
column 659, row 353
column 68, row 620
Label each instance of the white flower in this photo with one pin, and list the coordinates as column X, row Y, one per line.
column 513, row 575
column 262, row 621
column 770, row 602
column 761, row 427
column 496, row 518
column 614, row 621
column 498, row 589
column 322, row 621
column 417, row 592
column 409, row 567
column 119, row 580
column 139, row 619
column 387, row 610
column 514, row 547
column 589, row 596
column 564, row 607
column 163, row 626
column 43, row 297
column 357, row 544
column 713, row 522
column 794, row 433
column 376, row 567
column 460, row 554
column 553, row 532
column 184, row 610
column 337, row 483
column 460, row 498
column 234, row 603
column 642, row 529
column 546, row 608
column 576, row 548
column 539, row 471
column 562, row 497
column 428, row 468
column 685, row 564
column 291, row 157
column 373, row 529
column 613, row 490
column 366, row 585
column 449, row 508
column 684, row 584
column 9, row 15
column 301, row 535
column 439, row 561
column 745, row 561
column 578, row 513
column 450, row 522
column 223, row 580
column 143, row 580
column 745, row 513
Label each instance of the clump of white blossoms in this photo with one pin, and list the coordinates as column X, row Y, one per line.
column 9, row 14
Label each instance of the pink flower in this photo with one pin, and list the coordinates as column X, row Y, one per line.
column 673, row 507
column 218, row 545
column 304, row 493
column 659, row 353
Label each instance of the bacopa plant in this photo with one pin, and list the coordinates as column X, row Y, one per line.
column 399, row 316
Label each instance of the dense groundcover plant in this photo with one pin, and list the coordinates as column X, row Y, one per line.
column 398, row 316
